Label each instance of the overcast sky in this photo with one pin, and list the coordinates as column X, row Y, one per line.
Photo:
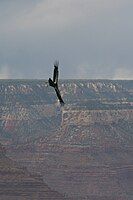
column 90, row 38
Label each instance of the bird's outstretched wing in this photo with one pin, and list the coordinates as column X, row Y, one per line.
column 55, row 75
column 56, row 72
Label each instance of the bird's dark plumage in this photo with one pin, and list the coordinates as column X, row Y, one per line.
column 55, row 75
column 54, row 83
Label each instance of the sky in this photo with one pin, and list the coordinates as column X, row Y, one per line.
column 92, row 39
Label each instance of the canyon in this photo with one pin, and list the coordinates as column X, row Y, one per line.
column 83, row 150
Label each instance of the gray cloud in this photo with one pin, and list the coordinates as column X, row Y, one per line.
column 5, row 72
column 123, row 73
column 91, row 38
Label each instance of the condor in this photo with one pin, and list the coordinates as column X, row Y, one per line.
column 54, row 83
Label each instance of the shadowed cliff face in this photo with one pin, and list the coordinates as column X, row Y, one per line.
column 83, row 149
column 17, row 183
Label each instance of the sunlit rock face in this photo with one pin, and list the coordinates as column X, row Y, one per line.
column 97, row 127
column 84, row 149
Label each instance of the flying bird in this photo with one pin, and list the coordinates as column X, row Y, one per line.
column 54, row 83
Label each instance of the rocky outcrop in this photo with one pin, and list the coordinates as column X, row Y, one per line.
column 88, row 117
column 96, row 127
